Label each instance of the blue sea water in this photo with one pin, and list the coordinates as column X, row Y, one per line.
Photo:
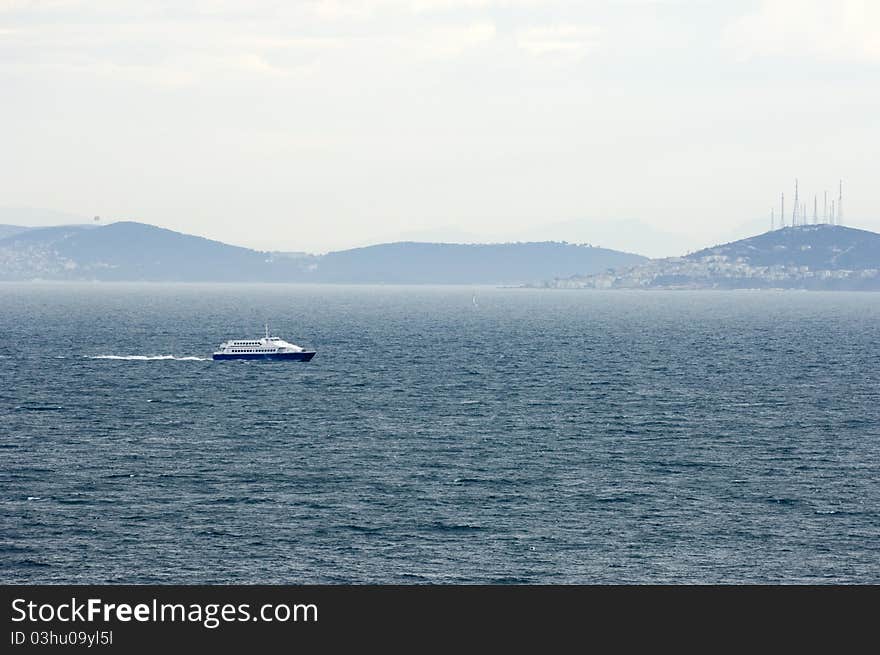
column 440, row 435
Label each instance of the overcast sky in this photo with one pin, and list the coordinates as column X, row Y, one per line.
column 316, row 125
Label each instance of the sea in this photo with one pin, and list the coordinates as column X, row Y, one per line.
column 441, row 435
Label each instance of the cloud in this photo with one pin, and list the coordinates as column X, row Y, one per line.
column 567, row 40
column 347, row 8
column 453, row 41
column 179, row 71
column 166, row 43
column 173, row 49
column 842, row 30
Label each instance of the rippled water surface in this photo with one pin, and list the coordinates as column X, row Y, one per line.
column 443, row 435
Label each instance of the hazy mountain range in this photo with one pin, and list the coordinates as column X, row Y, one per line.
column 129, row 251
column 809, row 257
column 626, row 234
column 37, row 217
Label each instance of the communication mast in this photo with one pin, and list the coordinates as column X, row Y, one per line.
column 794, row 210
column 840, row 203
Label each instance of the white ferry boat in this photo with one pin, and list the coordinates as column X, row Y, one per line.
column 265, row 348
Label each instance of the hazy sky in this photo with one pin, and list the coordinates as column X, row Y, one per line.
column 314, row 125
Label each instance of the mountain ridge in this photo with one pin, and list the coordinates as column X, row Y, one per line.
column 132, row 251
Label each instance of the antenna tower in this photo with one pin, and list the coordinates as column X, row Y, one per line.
column 840, row 203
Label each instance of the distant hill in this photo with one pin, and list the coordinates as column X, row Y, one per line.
column 135, row 251
column 819, row 247
column 447, row 263
column 618, row 234
column 37, row 217
column 129, row 251
column 802, row 257
column 9, row 230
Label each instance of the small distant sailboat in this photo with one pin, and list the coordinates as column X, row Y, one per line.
column 474, row 299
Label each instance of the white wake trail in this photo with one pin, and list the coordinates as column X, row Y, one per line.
column 146, row 358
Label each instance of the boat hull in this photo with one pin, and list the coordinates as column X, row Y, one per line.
column 303, row 356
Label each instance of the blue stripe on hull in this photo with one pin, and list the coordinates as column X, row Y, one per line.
column 297, row 357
